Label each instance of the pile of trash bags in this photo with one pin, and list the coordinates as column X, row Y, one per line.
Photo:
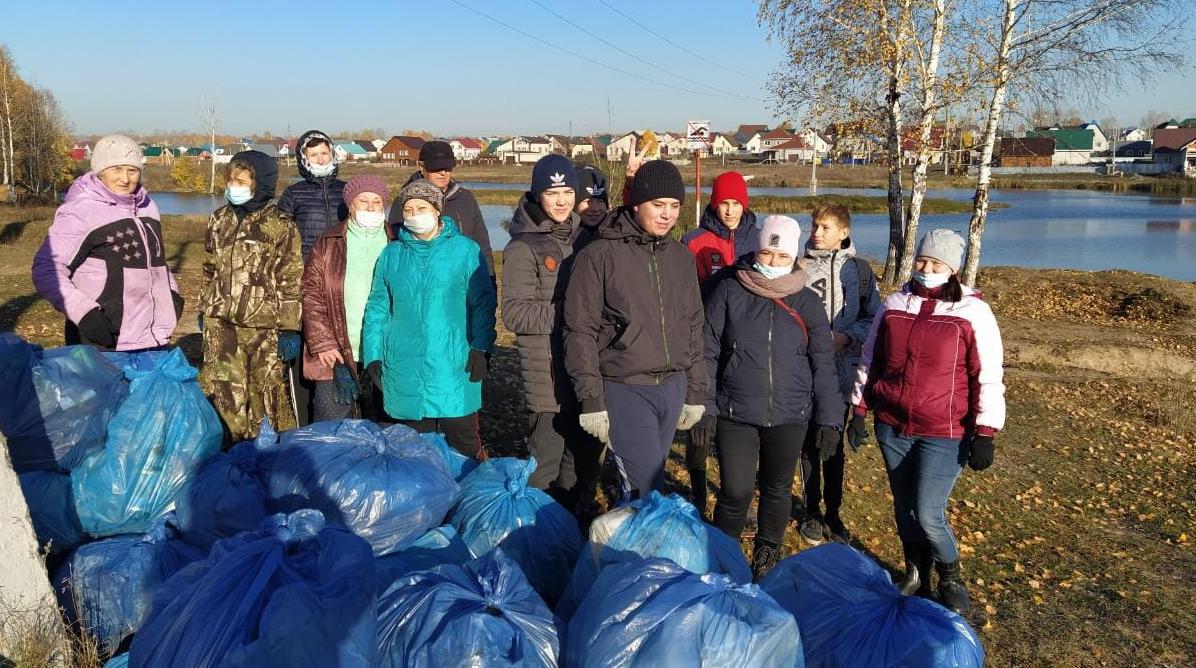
column 348, row 544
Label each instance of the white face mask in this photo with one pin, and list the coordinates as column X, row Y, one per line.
column 370, row 220
column 931, row 280
column 421, row 223
column 772, row 273
column 321, row 170
column 238, row 195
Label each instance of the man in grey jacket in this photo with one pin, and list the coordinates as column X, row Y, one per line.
column 536, row 263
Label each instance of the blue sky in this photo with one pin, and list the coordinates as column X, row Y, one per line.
column 435, row 66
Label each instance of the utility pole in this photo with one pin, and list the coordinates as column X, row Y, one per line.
column 1113, row 154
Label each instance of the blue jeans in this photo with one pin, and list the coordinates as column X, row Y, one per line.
column 922, row 472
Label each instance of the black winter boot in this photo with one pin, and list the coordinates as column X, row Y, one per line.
column 925, row 565
column 952, row 594
column 915, row 555
column 764, row 557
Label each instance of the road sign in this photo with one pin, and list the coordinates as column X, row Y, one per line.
column 697, row 135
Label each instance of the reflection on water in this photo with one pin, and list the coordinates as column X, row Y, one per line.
column 1077, row 229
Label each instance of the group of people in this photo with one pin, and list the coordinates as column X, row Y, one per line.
column 340, row 301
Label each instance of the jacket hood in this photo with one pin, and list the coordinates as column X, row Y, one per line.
column 529, row 217
column 845, row 251
column 265, row 179
column 621, row 225
column 453, row 188
column 747, row 225
column 301, row 160
column 89, row 187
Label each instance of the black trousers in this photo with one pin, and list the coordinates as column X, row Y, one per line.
column 460, row 432
column 566, row 457
column 742, row 449
column 821, row 481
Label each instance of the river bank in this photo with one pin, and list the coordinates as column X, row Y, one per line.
column 1077, row 544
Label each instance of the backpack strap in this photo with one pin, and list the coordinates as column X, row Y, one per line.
column 795, row 315
column 866, row 278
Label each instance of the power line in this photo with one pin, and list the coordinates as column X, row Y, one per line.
column 618, row 48
column 671, row 42
column 599, row 63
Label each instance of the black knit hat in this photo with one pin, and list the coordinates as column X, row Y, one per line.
column 592, row 184
column 655, row 180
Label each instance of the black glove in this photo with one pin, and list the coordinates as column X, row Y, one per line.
column 345, row 390
column 980, row 453
column 829, row 441
column 701, row 436
column 374, row 371
column 478, row 365
column 95, row 328
column 177, row 299
column 289, row 344
column 857, row 433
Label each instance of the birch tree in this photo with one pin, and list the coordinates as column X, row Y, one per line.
column 6, row 135
column 209, row 116
column 1045, row 47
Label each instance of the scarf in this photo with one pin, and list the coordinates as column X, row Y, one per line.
column 777, row 288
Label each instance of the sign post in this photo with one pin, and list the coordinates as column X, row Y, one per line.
column 697, row 138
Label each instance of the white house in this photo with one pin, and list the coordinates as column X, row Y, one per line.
column 773, row 138
column 521, row 150
column 466, row 148
column 815, row 141
column 378, row 144
column 720, row 145
column 619, row 149
column 578, row 150
column 753, row 144
column 794, row 150
column 1134, row 134
column 672, row 144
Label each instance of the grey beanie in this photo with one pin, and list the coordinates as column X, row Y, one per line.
column 113, row 150
column 422, row 189
column 943, row 245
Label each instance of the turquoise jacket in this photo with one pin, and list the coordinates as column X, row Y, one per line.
column 431, row 302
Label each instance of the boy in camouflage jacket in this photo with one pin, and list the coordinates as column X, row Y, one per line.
column 250, row 301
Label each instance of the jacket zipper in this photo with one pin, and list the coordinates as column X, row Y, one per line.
column 653, row 269
column 834, row 256
column 148, row 267
column 772, row 318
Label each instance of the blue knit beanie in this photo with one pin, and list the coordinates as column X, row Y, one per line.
column 553, row 171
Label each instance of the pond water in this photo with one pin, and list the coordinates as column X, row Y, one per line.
column 1075, row 229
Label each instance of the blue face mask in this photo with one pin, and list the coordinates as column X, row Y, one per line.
column 772, row 273
column 931, row 280
column 237, row 195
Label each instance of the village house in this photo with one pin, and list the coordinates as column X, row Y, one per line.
column 1133, row 135
column 794, row 150
column 772, row 139
column 157, row 155
column 466, row 149
column 745, row 134
column 520, row 150
column 1175, row 149
column 673, row 144
column 347, row 149
column 619, row 149
column 720, row 145
column 1026, row 151
column 378, row 144
column 371, row 152
column 402, row 150
column 595, row 145
column 1074, row 144
column 909, row 145
column 1135, row 149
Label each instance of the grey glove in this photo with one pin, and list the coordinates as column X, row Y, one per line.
column 596, row 425
column 690, row 414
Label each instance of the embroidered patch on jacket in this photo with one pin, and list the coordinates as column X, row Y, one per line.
column 550, row 263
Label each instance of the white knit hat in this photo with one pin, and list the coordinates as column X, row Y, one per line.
column 943, row 245
column 781, row 233
column 114, row 150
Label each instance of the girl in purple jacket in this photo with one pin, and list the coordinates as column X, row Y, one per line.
column 103, row 264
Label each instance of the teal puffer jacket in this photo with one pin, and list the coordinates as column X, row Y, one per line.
column 431, row 301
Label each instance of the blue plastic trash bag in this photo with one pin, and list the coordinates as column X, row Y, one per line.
column 107, row 586
column 652, row 612
column 223, row 499
column 654, row 526
column 438, row 547
column 56, row 403
column 850, row 614
column 118, row 661
column 496, row 508
column 157, row 440
column 52, row 509
column 459, row 465
column 295, row 593
column 145, row 360
column 387, row 486
column 481, row 613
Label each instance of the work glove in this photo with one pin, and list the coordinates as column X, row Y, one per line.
column 478, row 365
column 289, row 344
column 177, row 300
column 597, row 425
column 829, row 441
column 345, row 389
column 701, row 436
column 980, row 452
column 374, row 372
column 96, row 328
column 690, row 414
column 857, row 433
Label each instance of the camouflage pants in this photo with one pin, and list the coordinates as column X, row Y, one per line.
column 244, row 379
